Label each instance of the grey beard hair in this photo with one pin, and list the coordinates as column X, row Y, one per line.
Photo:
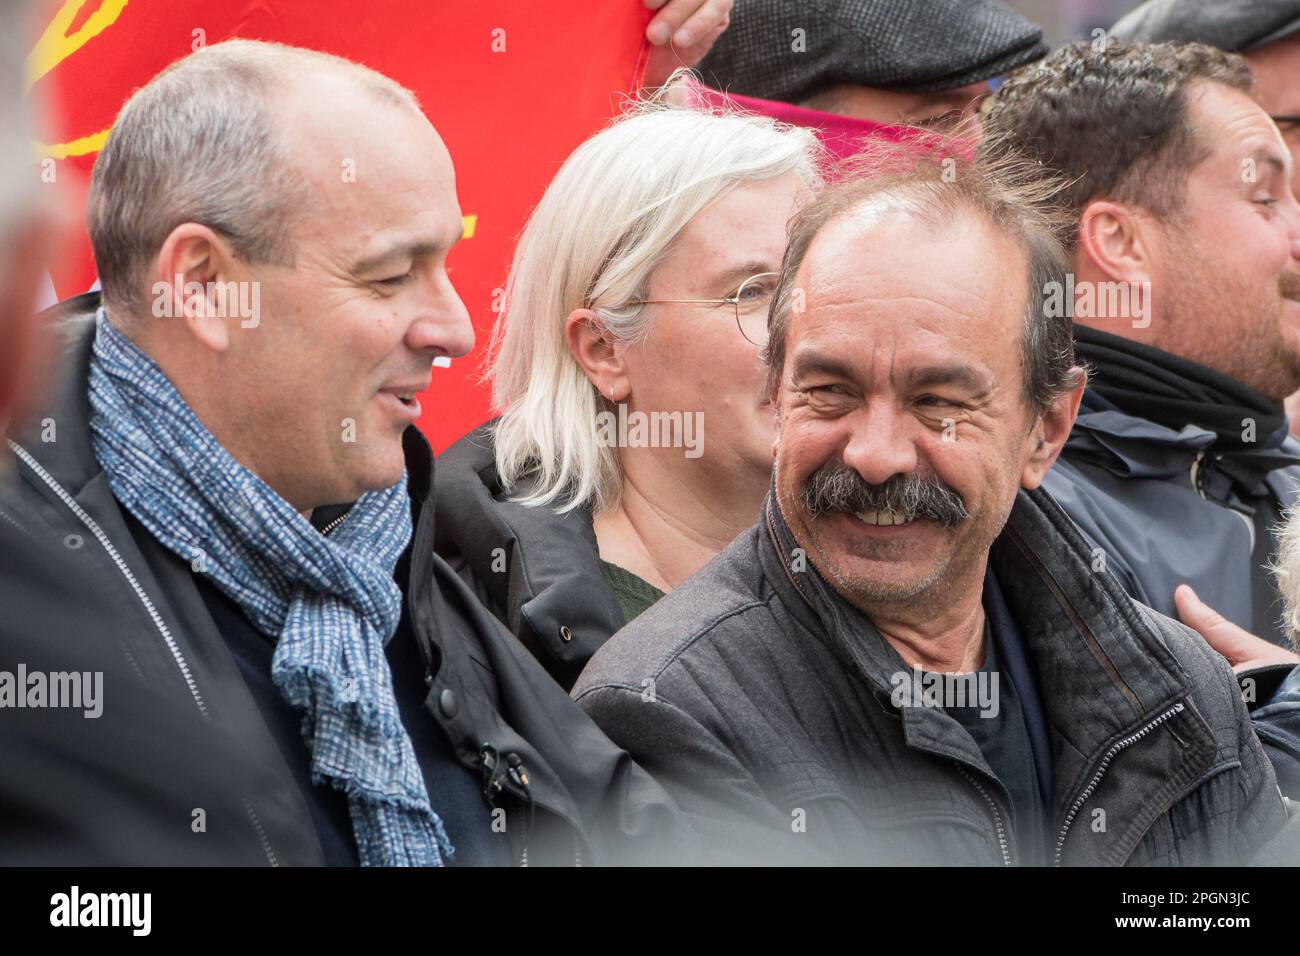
column 835, row 487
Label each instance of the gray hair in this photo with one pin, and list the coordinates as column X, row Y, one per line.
column 933, row 179
column 198, row 143
column 605, row 223
column 1286, row 571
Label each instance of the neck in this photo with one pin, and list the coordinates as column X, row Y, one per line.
column 948, row 642
column 665, row 527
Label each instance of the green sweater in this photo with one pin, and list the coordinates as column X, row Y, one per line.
column 634, row 594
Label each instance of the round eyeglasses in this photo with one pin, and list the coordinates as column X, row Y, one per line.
column 750, row 303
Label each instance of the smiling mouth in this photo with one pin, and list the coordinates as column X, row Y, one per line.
column 882, row 518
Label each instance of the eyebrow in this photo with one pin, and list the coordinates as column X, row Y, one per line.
column 946, row 102
column 1270, row 157
column 960, row 375
column 733, row 277
column 809, row 363
column 926, row 376
column 402, row 252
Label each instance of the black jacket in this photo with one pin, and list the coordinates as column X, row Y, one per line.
column 762, row 700
column 569, row 795
column 537, row 571
column 132, row 777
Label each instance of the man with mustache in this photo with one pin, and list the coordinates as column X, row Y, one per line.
column 909, row 659
column 1185, row 292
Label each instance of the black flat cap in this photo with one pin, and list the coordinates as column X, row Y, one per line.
column 911, row 46
column 1235, row 25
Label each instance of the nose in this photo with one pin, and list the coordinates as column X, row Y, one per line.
column 442, row 324
column 881, row 444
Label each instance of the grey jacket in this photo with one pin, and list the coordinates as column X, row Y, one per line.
column 1160, row 509
column 761, row 699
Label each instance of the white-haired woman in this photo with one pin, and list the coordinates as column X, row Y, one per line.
column 634, row 440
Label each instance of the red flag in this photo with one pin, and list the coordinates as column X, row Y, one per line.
column 512, row 86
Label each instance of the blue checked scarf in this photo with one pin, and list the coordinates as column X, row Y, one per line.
column 330, row 604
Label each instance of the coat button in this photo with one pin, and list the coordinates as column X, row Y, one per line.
column 448, row 703
column 566, row 635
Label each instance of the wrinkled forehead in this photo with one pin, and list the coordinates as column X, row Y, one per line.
column 884, row 274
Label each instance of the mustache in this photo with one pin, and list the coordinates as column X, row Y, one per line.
column 1290, row 285
column 835, row 487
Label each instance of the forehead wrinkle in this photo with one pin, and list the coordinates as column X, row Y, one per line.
column 883, row 337
column 894, row 272
column 968, row 310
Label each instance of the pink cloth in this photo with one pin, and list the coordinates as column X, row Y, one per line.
column 841, row 135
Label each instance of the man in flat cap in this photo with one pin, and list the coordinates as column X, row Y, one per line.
column 905, row 62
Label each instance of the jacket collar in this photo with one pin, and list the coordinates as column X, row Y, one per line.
column 1133, row 447
column 554, row 580
column 69, row 457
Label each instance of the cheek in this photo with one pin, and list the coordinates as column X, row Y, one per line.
column 696, row 366
column 1262, row 250
column 805, row 445
column 979, row 466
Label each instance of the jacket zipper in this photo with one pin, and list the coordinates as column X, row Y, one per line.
column 1101, row 771
column 261, row 834
column 154, row 616
column 997, row 815
column 335, row 523
column 519, row 776
column 102, row 538
column 1194, row 472
column 14, row 522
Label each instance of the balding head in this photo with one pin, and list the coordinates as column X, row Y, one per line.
column 938, row 185
column 204, row 141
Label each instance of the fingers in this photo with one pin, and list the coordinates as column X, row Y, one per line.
column 1198, row 615
column 703, row 24
column 1242, row 649
column 685, row 22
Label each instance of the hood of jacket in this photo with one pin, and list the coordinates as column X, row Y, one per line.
column 1132, row 447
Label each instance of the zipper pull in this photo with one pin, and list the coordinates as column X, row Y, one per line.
column 517, row 772
column 491, row 776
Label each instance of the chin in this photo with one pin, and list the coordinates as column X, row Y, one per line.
column 383, row 468
column 866, row 588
